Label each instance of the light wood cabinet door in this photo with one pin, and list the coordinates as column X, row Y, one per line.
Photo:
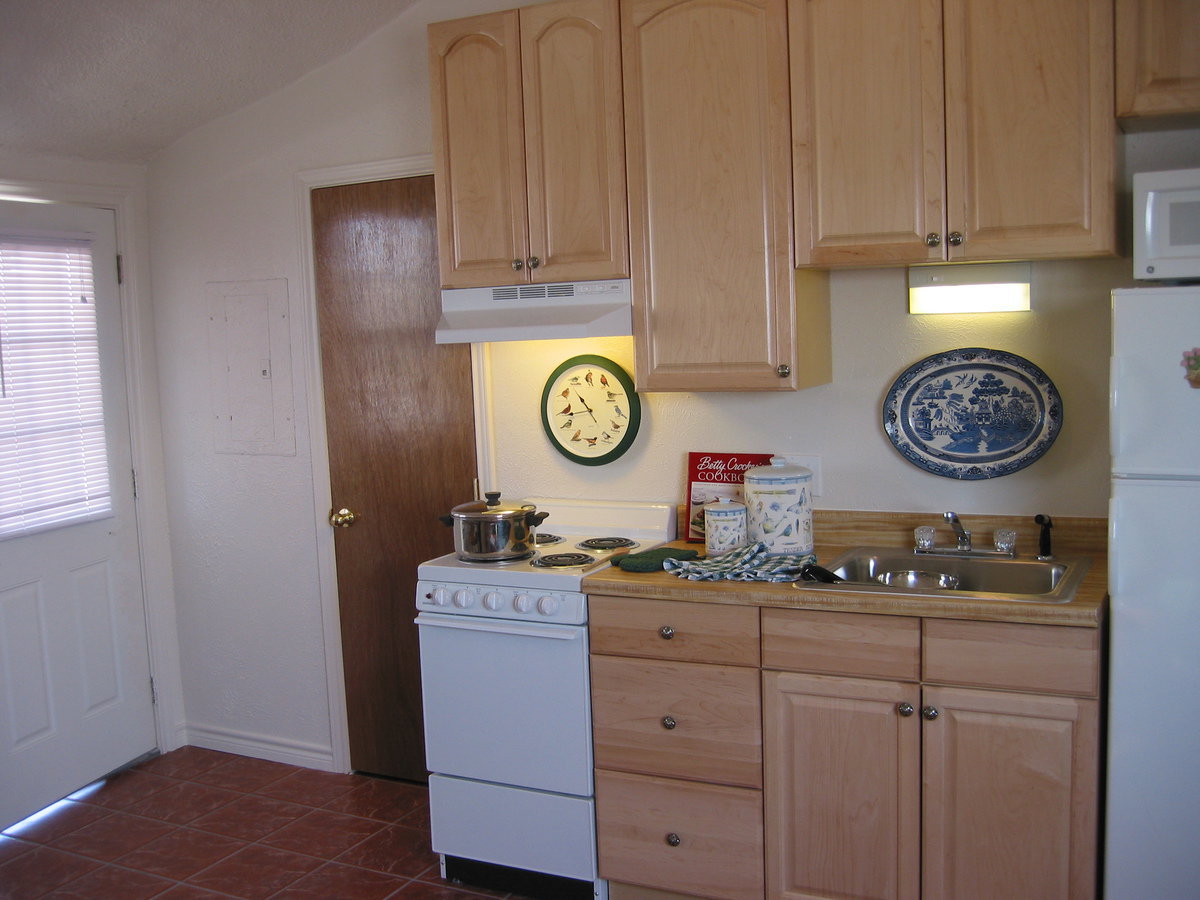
column 696, row 839
column 1158, row 64
column 479, row 156
column 1030, row 135
column 1019, row 163
column 1009, row 802
column 574, row 140
column 842, row 787
column 684, row 720
column 868, row 125
column 708, row 156
column 528, row 145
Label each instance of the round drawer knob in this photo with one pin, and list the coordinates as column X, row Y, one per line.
column 668, row 722
column 673, row 839
column 905, row 709
column 666, row 632
column 929, row 712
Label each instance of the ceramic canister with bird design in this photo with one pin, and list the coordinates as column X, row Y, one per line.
column 778, row 501
column 724, row 526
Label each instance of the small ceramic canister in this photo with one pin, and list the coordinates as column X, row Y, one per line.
column 724, row 526
column 779, row 507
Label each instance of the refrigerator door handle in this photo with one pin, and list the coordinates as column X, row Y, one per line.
column 1114, row 419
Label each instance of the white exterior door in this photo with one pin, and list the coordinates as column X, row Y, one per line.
column 75, row 694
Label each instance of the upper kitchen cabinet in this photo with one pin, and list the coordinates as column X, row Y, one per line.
column 952, row 130
column 527, row 136
column 708, row 161
column 1158, row 63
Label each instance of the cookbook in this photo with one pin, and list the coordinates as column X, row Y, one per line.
column 712, row 476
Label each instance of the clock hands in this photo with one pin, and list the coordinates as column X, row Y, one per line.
column 587, row 408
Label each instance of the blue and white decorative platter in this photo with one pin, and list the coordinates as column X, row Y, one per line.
column 972, row 413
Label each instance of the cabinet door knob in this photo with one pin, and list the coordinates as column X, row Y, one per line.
column 342, row 518
column 933, row 239
column 518, row 265
column 783, row 370
column 905, row 709
column 673, row 839
column 954, row 238
column 533, row 262
column 929, row 712
column 668, row 722
column 666, row 632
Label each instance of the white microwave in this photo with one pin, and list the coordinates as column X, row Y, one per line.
column 1166, row 225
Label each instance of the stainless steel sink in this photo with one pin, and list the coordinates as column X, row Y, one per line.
column 984, row 577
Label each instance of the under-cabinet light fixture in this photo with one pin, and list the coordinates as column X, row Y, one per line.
column 969, row 288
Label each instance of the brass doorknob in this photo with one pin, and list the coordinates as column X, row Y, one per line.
column 342, row 518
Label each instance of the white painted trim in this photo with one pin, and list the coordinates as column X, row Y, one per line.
column 137, row 319
column 262, row 746
column 309, row 360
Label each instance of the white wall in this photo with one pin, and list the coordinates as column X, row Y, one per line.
column 247, row 532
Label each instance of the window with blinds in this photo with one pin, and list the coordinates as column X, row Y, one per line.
column 53, row 459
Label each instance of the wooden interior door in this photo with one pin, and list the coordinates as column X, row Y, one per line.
column 400, row 423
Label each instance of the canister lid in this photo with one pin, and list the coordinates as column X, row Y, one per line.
column 780, row 468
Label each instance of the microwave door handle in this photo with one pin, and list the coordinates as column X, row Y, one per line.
column 503, row 626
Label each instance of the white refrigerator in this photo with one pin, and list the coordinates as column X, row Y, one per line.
column 1152, row 820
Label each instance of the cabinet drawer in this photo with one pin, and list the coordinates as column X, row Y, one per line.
column 667, row 629
column 685, row 720
column 857, row 644
column 719, row 850
column 1047, row 658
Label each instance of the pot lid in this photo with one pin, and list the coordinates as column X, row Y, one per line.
column 491, row 507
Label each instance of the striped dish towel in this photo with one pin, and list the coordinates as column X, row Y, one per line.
column 749, row 563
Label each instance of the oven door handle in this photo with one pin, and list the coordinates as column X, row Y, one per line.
column 503, row 626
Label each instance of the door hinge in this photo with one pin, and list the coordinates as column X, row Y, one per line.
column 120, row 270
column 133, row 476
column 153, row 693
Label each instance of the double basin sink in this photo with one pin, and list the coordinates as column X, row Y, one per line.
column 955, row 575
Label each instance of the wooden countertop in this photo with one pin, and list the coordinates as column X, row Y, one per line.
column 837, row 531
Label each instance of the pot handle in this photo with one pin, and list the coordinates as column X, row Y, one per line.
column 446, row 520
column 537, row 518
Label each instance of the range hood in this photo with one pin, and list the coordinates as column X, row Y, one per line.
column 535, row 312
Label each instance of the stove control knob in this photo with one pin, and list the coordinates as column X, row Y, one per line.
column 522, row 603
column 439, row 596
column 493, row 601
column 463, row 598
column 548, row 606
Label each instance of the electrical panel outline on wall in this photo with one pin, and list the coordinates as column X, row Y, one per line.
column 250, row 367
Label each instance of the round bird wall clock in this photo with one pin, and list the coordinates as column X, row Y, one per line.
column 590, row 410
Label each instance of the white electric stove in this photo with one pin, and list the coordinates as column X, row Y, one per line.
column 504, row 671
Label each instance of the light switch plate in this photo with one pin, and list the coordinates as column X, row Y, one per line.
column 809, row 462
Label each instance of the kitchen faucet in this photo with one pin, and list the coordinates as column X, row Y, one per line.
column 964, row 536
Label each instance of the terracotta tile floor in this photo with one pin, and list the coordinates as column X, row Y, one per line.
column 196, row 824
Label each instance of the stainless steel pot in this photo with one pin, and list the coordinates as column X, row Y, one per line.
column 491, row 531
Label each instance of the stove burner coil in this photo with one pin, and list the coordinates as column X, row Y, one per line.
column 607, row 543
column 562, row 560
column 546, row 538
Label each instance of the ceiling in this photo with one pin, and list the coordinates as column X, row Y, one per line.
column 119, row 80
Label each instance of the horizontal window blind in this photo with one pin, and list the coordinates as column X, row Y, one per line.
column 53, row 458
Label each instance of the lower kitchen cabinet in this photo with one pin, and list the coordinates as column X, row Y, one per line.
column 901, row 757
column 879, row 788
column 1009, row 803
column 843, row 779
column 704, row 840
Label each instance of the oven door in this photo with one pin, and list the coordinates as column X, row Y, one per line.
column 507, row 702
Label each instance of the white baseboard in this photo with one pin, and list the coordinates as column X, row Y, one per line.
column 261, row 746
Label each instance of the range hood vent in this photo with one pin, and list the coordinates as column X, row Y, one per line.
column 532, row 312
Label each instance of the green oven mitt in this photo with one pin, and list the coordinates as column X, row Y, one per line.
column 652, row 560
